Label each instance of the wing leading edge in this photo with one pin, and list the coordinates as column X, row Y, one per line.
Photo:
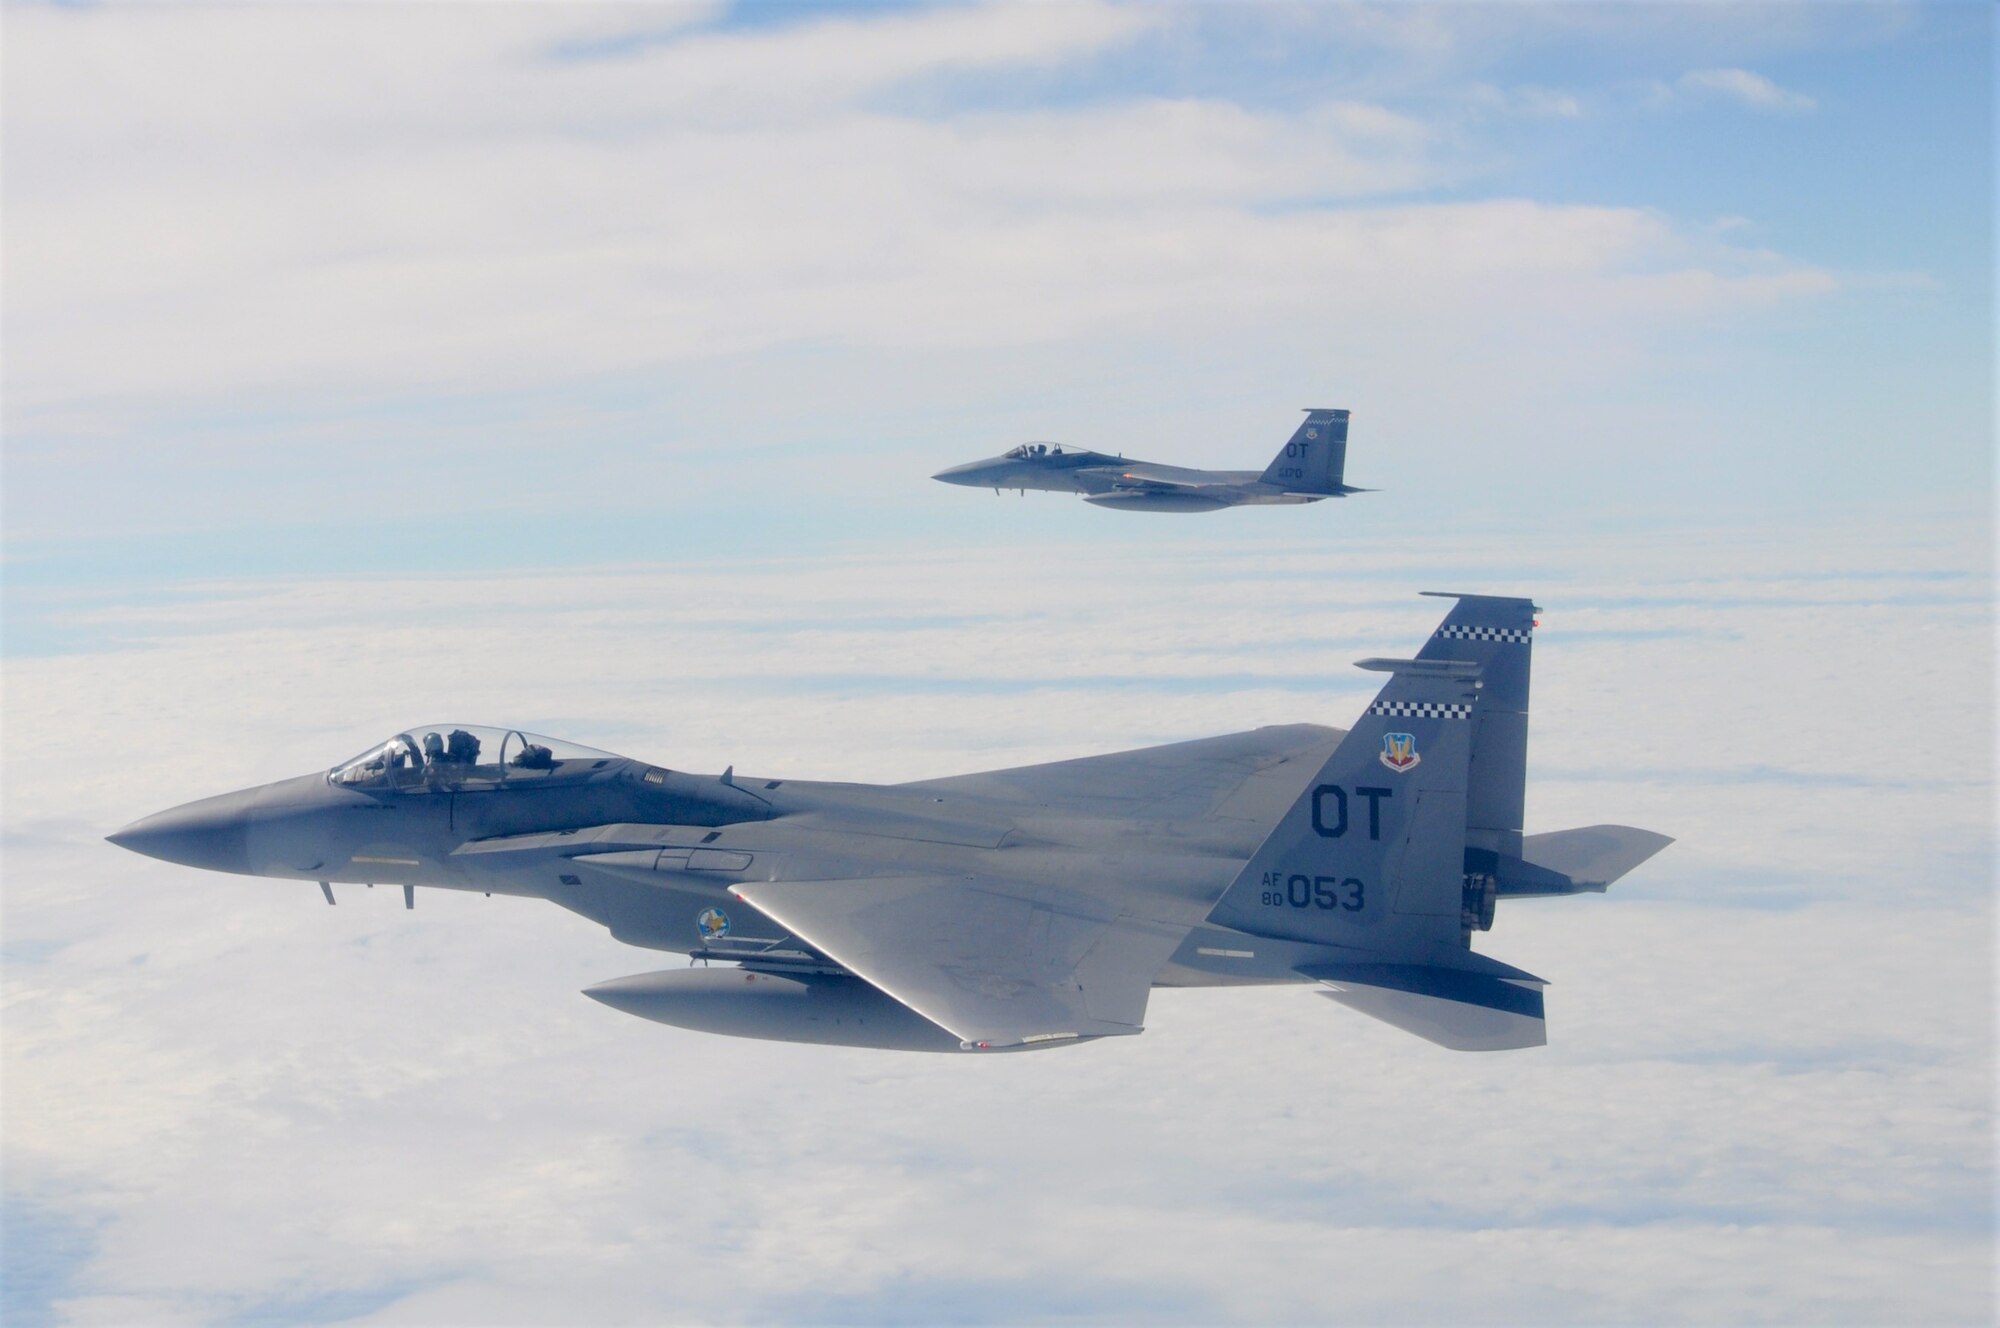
column 1191, row 776
column 997, row 966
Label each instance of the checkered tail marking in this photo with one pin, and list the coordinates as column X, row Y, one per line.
column 1519, row 635
column 1422, row 709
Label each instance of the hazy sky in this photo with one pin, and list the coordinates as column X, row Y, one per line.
column 582, row 368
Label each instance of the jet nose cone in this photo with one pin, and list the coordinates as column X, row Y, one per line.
column 211, row 834
column 969, row 473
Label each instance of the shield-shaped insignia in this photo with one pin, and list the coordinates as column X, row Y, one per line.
column 1399, row 751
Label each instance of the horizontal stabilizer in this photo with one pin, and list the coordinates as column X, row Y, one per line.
column 1421, row 668
column 1498, row 1010
column 1569, row 862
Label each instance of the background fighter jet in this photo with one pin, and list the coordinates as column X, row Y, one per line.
column 1307, row 470
column 1008, row 910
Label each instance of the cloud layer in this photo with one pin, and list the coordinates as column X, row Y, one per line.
column 1767, row 1097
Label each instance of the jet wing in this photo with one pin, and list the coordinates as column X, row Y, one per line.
column 996, row 964
column 1208, row 776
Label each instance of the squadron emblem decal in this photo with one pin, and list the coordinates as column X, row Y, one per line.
column 1399, row 752
column 712, row 923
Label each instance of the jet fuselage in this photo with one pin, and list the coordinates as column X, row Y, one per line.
column 1004, row 910
column 652, row 853
column 1308, row 468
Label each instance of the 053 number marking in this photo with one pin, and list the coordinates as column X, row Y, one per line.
column 1296, row 891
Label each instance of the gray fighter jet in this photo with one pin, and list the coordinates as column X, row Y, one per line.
column 1009, row 910
column 1308, row 469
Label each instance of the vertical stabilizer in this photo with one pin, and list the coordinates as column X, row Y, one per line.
column 1496, row 633
column 1316, row 457
column 1372, row 855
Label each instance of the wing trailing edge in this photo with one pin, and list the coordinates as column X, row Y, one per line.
column 1000, row 968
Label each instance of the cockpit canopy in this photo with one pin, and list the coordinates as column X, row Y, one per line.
column 440, row 756
column 1030, row 451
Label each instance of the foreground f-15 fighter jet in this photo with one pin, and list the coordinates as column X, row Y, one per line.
column 1009, row 910
column 1307, row 469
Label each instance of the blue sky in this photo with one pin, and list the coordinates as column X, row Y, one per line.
column 583, row 368
column 1707, row 297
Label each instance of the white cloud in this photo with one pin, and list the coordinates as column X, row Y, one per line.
column 1743, row 86
column 1528, row 102
column 201, row 205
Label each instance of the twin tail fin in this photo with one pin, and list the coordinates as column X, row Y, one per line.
column 1315, row 458
column 1397, row 850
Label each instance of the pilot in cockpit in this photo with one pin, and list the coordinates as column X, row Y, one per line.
column 434, row 758
column 534, row 756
